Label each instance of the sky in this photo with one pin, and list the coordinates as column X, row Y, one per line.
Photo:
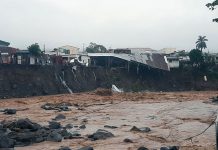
column 155, row 24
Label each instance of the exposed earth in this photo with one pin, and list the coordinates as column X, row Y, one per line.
column 172, row 118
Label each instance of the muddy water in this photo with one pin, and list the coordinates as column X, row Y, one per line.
column 172, row 117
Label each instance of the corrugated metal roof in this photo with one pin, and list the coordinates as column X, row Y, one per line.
column 153, row 60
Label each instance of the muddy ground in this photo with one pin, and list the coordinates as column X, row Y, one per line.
column 172, row 117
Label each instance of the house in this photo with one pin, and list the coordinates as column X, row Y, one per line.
column 150, row 60
column 6, row 53
column 167, row 51
column 67, row 50
column 4, row 44
column 173, row 61
column 24, row 57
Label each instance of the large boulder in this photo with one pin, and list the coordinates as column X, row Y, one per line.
column 21, row 124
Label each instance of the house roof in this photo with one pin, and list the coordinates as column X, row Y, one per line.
column 4, row 43
column 154, row 60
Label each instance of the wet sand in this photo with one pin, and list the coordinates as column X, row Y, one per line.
column 172, row 117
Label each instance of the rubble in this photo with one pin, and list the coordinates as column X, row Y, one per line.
column 64, row 148
column 54, row 125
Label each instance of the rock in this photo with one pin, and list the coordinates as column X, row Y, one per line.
column 101, row 135
column 69, row 126
column 59, row 117
column 54, row 137
column 21, row 124
column 142, row 148
column 86, row 148
column 82, row 127
column 69, row 134
column 25, row 137
column 10, row 111
column 110, row 127
column 6, row 142
column 64, row 148
column 143, row 130
column 54, row 125
column 127, row 141
column 170, row 148
column 59, row 106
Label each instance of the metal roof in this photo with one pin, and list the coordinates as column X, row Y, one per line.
column 153, row 60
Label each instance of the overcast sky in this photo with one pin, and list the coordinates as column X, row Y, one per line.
column 114, row 23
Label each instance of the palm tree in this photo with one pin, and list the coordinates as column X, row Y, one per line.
column 201, row 43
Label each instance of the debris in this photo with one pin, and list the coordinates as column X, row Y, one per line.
column 115, row 89
column 103, row 92
column 110, row 127
column 54, row 137
column 127, row 141
column 86, row 148
column 10, row 111
column 100, row 135
column 143, row 130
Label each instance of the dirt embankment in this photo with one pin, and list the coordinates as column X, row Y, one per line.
column 25, row 81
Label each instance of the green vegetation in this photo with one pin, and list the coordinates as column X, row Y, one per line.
column 95, row 48
column 212, row 6
column 201, row 43
column 196, row 57
column 34, row 49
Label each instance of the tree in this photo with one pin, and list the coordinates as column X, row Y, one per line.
column 196, row 57
column 201, row 43
column 212, row 6
column 34, row 49
column 95, row 48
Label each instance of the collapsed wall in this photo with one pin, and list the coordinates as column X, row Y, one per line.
column 25, row 81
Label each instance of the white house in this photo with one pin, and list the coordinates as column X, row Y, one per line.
column 67, row 50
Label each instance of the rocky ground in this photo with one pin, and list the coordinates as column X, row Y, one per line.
column 126, row 121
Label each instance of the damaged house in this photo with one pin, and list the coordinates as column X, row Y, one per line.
column 124, row 58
